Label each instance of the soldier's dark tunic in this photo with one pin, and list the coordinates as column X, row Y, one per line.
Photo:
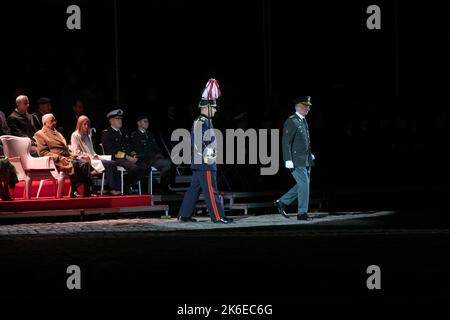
column 296, row 143
column 203, row 173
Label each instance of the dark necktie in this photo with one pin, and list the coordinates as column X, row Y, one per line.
column 306, row 128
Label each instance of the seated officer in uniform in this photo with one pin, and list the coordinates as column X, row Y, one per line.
column 148, row 151
column 118, row 144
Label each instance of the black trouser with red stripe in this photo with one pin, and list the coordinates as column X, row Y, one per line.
column 205, row 182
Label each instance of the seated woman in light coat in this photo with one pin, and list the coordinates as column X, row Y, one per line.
column 81, row 145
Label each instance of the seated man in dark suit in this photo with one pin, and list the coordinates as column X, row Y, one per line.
column 21, row 123
column 118, row 144
column 149, row 152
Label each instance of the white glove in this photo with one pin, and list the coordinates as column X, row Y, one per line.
column 312, row 156
column 209, row 155
column 289, row 164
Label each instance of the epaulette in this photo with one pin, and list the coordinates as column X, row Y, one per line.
column 201, row 118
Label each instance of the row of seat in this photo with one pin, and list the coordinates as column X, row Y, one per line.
column 17, row 150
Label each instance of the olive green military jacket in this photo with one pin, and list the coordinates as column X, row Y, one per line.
column 296, row 144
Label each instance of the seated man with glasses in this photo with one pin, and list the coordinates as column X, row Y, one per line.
column 52, row 143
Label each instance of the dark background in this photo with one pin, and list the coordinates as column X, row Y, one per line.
column 379, row 111
column 378, row 125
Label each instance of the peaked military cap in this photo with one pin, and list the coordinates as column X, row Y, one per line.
column 117, row 112
column 304, row 100
column 44, row 100
column 140, row 117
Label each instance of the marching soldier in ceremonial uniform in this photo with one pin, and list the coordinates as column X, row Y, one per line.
column 204, row 168
column 298, row 158
column 118, row 144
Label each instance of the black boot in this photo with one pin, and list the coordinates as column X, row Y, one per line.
column 304, row 216
column 87, row 189
column 186, row 219
column 280, row 206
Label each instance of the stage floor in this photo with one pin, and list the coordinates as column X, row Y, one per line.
column 125, row 225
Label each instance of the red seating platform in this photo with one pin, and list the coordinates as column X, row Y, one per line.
column 49, row 204
column 46, row 191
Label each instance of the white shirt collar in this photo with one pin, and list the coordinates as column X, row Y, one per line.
column 117, row 130
column 301, row 117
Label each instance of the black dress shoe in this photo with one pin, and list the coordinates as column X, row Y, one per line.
column 280, row 206
column 304, row 217
column 75, row 195
column 224, row 220
column 186, row 219
column 131, row 191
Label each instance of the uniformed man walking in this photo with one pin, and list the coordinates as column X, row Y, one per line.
column 204, row 167
column 298, row 158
